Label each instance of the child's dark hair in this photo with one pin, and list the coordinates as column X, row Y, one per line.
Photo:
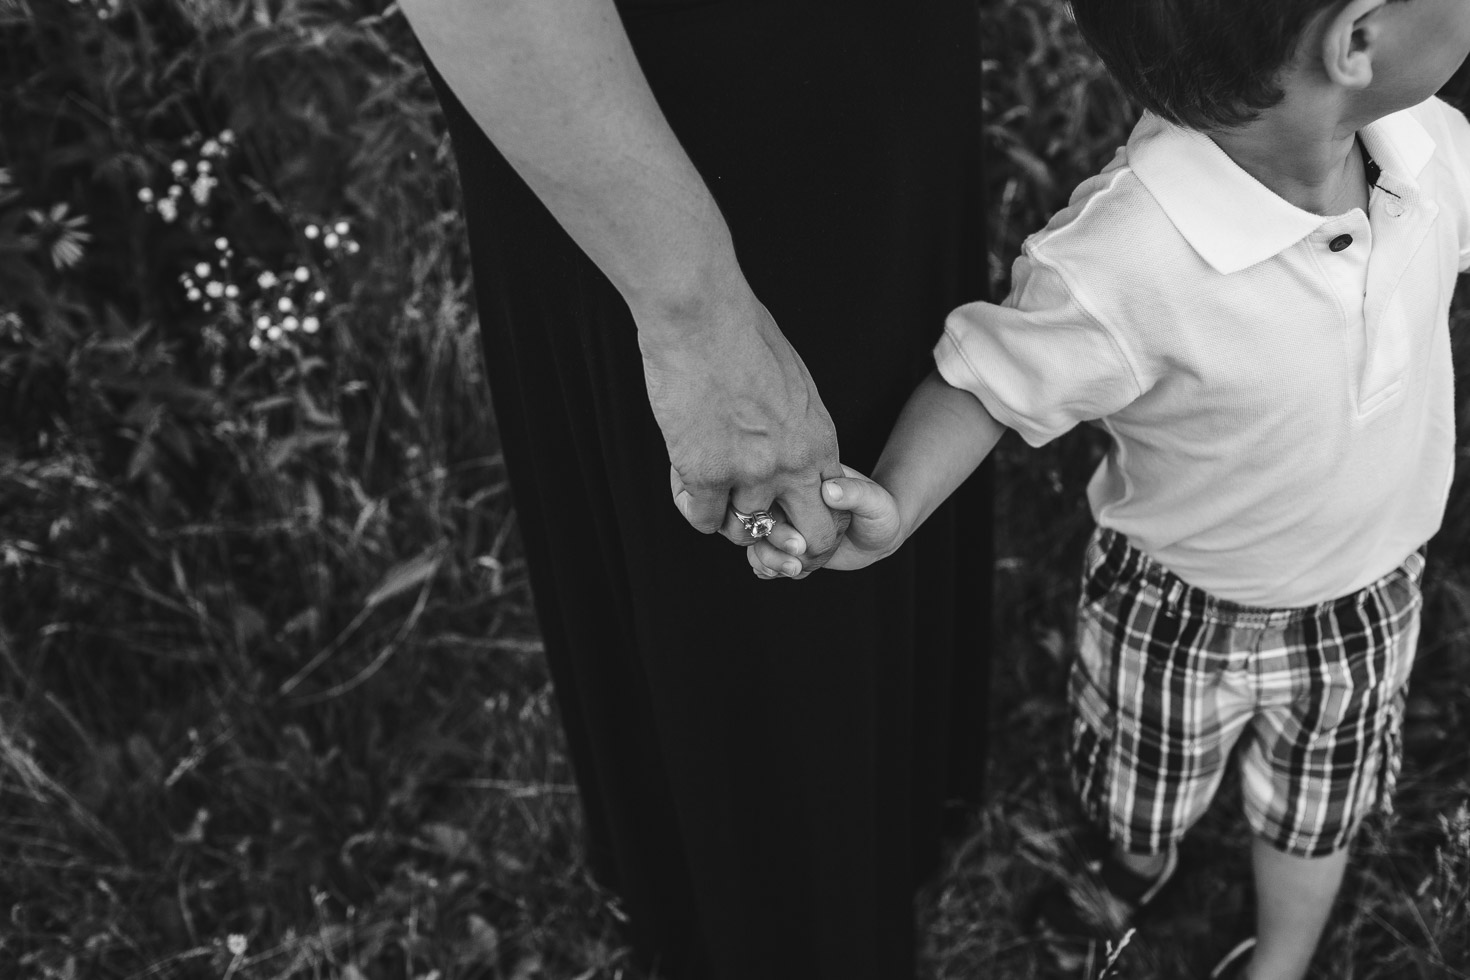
column 1200, row 63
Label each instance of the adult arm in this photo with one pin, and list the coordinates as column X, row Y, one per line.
column 556, row 87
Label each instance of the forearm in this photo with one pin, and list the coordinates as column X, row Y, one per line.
column 942, row 435
column 556, row 87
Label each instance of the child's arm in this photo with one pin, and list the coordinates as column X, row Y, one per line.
column 942, row 435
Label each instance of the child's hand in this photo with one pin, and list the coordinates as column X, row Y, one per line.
column 876, row 532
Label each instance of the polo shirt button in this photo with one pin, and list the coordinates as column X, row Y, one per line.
column 1340, row 242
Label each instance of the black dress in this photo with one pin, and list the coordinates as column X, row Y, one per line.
column 765, row 766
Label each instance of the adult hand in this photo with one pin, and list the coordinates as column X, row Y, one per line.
column 744, row 425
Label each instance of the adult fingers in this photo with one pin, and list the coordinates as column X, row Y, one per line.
column 704, row 508
column 809, row 515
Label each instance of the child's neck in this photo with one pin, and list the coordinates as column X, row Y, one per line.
column 1311, row 163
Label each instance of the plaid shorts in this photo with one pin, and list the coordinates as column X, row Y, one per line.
column 1169, row 678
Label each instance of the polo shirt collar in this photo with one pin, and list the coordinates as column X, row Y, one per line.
column 1231, row 219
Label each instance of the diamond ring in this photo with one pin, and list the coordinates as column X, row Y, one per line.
column 757, row 525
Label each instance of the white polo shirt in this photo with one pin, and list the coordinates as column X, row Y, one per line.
column 1277, row 384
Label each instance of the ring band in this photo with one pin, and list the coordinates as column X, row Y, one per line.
column 757, row 525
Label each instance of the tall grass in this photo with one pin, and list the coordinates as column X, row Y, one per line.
column 268, row 668
column 271, row 695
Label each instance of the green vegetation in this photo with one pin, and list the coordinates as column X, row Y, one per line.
column 271, row 696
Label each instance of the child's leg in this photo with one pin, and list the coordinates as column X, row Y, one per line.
column 1154, row 715
column 1322, row 755
column 1294, row 896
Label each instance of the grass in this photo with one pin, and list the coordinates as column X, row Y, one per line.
column 272, row 702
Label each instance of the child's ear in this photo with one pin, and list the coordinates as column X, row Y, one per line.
column 1350, row 41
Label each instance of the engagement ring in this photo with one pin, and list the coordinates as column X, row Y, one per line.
column 757, row 525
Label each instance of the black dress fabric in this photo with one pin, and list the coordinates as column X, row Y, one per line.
column 765, row 767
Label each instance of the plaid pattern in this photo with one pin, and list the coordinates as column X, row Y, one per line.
column 1169, row 678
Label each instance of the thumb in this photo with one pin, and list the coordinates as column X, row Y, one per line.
column 857, row 495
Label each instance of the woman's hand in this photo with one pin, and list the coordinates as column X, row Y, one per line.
column 876, row 531
column 742, row 419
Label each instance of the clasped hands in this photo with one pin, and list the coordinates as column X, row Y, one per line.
column 747, row 431
column 863, row 517
column 874, row 531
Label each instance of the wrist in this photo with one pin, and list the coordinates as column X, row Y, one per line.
column 696, row 308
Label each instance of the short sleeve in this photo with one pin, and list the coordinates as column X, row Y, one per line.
column 1040, row 363
column 1452, row 133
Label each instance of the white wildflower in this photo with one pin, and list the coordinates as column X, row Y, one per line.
column 340, row 227
column 179, row 168
column 201, row 270
column 222, row 244
column 215, row 290
column 262, row 322
column 302, row 274
column 266, row 280
column 236, row 944
column 145, row 194
column 320, row 296
column 311, row 324
column 284, row 304
column 232, row 291
column 311, row 231
column 331, row 240
column 290, row 323
column 194, row 295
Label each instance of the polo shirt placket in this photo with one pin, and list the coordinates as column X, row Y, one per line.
column 1404, row 220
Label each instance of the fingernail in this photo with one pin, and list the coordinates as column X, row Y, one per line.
column 797, row 545
column 792, row 568
column 834, row 492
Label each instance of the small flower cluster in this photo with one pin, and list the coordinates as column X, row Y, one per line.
column 193, row 179
column 282, row 305
column 209, row 282
column 333, row 237
column 288, row 304
column 293, row 301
